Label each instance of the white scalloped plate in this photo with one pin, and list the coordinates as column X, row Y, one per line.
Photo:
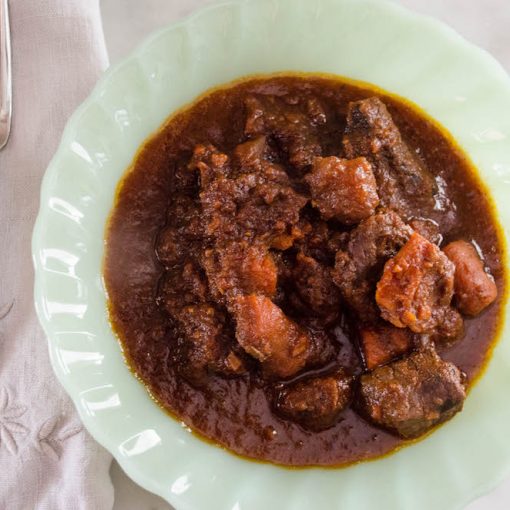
column 370, row 40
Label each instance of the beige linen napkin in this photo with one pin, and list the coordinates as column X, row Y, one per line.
column 47, row 460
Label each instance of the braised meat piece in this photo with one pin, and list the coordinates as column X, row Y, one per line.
column 203, row 331
column 253, row 154
column 240, row 268
column 260, row 205
column 210, row 163
column 343, row 189
column 381, row 343
column 449, row 329
column 320, row 241
column 411, row 396
column 402, row 180
column 416, row 287
column 204, row 348
column 475, row 289
column 358, row 266
column 316, row 403
column 286, row 240
column 263, row 331
column 317, row 294
column 294, row 130
column 428, row 228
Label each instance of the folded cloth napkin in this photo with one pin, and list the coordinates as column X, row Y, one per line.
column 47, row 460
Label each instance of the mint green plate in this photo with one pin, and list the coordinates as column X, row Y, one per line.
column 374, row 41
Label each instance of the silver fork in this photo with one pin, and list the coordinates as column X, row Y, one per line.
column 5, row 74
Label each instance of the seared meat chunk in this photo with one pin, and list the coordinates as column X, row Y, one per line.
column 286, row 240
column 416, row 287
column 293, row 130
column 428, row 228
column 450, row 328
column 315, row 288
column 316, row 403
column 240, row 268
column 252, row 155
column 400, row 176
column 209, row 162
column 381, row 343
column 204, row 347
column 358, row 266
column 263, row 331
column 475, row 289
column 411, row 396
column 260, row 205
column 343, row 189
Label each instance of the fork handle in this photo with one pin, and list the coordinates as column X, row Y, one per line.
column 5, row 74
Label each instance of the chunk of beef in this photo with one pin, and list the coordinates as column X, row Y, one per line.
column 416, row 287
column 343, row 189
column 287, row 239
column 316, row 403
column 183, row 233
column 411, row 396
column 428, row 228
column 401, row 178
column 318, row 295
column 252, row 155
column 359, row 265
column 450, row 328
column 263, row 331
column 260, row 205
column 204, row 348
column 293, row 130
column 475, row 289
column 320, row 242
column 240, row 268
column 209, row 162
column 381, row 343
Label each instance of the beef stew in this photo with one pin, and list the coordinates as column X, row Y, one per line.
column 304, row 270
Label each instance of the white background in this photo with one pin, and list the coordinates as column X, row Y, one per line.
column 127, row 22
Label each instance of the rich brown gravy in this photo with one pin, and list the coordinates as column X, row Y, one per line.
column 235, row 412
